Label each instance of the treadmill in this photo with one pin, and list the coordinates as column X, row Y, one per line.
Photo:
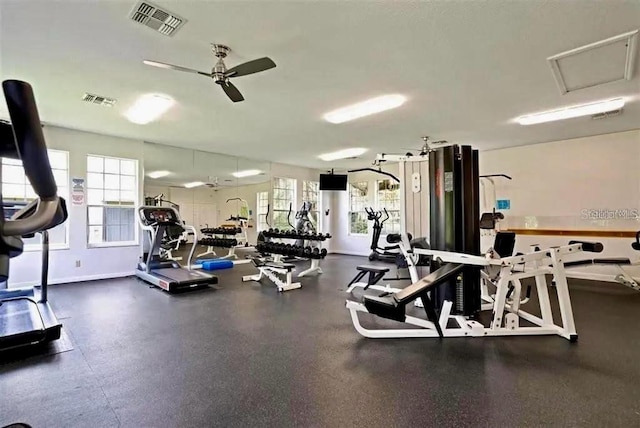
column 167, row 274
column 25, row 315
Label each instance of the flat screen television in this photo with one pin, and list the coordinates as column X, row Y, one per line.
column 333, row 182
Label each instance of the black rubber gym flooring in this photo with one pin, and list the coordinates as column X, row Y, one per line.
column 245, row 355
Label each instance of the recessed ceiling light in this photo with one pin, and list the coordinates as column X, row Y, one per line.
column 571, row 112
column 365, row 108
column 247, row 173
column 148, row 108
column 193, row 184
column 158, row 174
column 342, row 154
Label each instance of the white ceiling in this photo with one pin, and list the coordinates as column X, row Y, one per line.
column 468, row 68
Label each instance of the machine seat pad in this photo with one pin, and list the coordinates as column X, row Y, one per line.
column 288, row 266
column 436, row 277
column 385, row 307
column 372, row 268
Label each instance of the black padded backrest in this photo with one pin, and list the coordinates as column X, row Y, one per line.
column 425, row 284
column 29, row 138
column 504, row 243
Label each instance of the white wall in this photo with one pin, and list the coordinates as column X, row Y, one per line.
column 553, row 183
column 95, row 263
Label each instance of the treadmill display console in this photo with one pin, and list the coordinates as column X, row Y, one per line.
column 160, row 216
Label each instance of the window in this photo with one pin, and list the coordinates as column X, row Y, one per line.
column 388, row 197
column 311, row 194
column 358, row 200
column 263, row 210
column 17, row 192
column 284, row 197
column 112, row 193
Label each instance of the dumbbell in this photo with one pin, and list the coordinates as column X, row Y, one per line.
column 316, row 251
column 323, row 253
column 307, row 251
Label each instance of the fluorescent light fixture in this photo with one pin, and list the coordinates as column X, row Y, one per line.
column 571, row 112
column 193, row 184
column 158, row 174
column 365, row 108
column 342, row 154
column 246, row 173
column 148, row 108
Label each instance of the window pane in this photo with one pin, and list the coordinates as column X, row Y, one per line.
column 112, row 197
column 58, row 160
column 112, row 165
column 95, row 181
column 128, row 167
column 95, row 234
column 95, row 164
column 14, row 191
column 127, row 183
column 60, row 177
column 9, row 161
column 128, row 196
column 95, row 215
column 58, row 235
column 13, row 174
column 95, row 196
column 112, row 234
column 111, row 181
column 30, row 193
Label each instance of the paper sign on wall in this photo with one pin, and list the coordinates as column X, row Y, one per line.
column 77, row 190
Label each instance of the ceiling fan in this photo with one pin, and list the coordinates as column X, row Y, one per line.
column 220, row 74
column 212, row 182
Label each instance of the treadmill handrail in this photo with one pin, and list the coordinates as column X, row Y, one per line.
column 29, row 138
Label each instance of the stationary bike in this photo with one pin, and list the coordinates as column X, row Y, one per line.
column 385, row 254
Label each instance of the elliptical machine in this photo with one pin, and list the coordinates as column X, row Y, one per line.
column 384, row 254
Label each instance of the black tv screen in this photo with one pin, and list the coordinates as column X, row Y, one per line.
column 333, row 182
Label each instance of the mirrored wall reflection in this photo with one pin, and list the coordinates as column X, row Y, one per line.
column 208, row 189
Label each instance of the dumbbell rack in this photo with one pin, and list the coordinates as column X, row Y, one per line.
column 279, row 250
column 219, row 237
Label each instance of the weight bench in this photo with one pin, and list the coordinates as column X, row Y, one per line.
column 392, row 306
column 376, row 273
column 621, row 277
column 278, row 273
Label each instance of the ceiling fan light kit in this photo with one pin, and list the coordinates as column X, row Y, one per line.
column 220, row 73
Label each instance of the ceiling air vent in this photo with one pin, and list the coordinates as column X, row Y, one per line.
column 158, row 19
column 595, row 64
column 607, row 114
column 98, row 99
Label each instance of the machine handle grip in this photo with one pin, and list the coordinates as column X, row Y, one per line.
column 592, row 247
column 29, row 138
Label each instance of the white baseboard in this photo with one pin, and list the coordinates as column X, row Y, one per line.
column 68, row 280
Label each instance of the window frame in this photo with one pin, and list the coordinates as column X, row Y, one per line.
column 53, row 246
column 136, row 230
column 365, row 203
column 318, row 201
column 293, row 192
column 380, row 205
column 261, row 216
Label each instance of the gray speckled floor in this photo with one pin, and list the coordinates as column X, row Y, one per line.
column 244, row 355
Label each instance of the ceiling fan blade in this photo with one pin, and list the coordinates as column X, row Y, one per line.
column 174, row 67
column 232, row 92
column 250, row 67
